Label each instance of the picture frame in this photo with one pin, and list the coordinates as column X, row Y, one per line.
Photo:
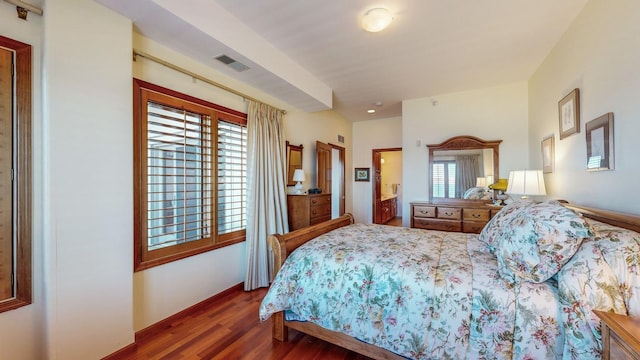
column 599, row 134
column 548, row 154
column 361, row 174
column 569, row 114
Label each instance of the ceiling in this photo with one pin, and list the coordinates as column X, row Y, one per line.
column 314, row 55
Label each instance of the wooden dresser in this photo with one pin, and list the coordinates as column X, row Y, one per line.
column 305, row 210
column 620, row 336
column 469, row 218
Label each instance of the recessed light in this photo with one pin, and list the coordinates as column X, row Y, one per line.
column 371, row 111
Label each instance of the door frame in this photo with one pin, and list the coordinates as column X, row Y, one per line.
column 342, row 155
column 376, row 155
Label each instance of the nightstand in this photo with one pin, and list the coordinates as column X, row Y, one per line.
column 620, row 336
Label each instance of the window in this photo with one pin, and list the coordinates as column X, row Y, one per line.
column 15, row 174
column 190, row 173
column 444, row 179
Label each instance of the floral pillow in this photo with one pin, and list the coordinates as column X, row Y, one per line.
column 491, row 231
column 538, row 240
column 477, row 193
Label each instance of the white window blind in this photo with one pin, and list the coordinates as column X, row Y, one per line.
column 232, row 177
column 179, row 176
column 444, row 179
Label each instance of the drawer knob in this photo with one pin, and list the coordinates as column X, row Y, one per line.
column 448, row 213
column 314, row 212
column 475, row 215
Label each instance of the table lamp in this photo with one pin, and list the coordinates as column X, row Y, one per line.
column 526, row 183
column 298, row 175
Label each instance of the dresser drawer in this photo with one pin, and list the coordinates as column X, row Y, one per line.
column 437, row 224
column 319, row 207
column 476, row 214
column 320, row 210
column 424, row 211
column 474, row 227
column 449, row 213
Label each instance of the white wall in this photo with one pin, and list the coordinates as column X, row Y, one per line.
column 599, row 55
column 324, row 126
column 21, row 330
column 87, row 180
column 496, row 113
column 369, row 135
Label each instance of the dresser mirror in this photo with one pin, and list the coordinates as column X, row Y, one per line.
column 294, row 161
column 461, row 168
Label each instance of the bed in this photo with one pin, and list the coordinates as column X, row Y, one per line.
column 430, row 294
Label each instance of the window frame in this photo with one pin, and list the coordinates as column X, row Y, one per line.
column 144, row 91
column 22, row 97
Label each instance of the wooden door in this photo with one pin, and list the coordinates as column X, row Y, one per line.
column 323, row 169
column 6, row 165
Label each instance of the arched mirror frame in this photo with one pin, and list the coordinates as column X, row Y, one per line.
column 291, row 167
column 464, row 142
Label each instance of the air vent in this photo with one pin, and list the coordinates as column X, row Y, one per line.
column 235, row 65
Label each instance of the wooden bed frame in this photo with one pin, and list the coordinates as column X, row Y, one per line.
column 283, row 245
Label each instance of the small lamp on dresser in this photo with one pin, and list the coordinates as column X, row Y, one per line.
column 298, row 175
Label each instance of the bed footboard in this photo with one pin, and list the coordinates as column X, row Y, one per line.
column 283, row 244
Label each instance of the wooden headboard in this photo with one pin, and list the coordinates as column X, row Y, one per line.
column 627, row 221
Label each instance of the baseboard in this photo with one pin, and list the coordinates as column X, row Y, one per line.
column 128, row 351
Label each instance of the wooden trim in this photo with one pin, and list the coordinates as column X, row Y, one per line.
column 376, row 191
column 623, row 220
column 142, row 92
column 231, row 114
column 164, row 324
column 126, row 353
column 23, row 267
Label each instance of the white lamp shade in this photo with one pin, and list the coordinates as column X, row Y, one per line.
column 376, row 19
column 489, row 179
column 481, row 182
column 526, row 182
column 298, row 175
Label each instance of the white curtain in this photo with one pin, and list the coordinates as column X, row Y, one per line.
column 266, row 190
column 467, row 171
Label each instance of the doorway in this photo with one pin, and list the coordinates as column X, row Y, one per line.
column 387, row 175
column 330, row 175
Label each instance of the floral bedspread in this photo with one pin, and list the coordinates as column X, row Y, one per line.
column 420, row 294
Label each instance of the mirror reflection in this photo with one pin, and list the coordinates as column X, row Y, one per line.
column 462, row 168
column 462, row 174
column 294, row 161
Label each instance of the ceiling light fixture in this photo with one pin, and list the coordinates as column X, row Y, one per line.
column 376, row 19
column 371, row 111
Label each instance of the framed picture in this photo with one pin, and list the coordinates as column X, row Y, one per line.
column 599, row 133
column 362, row 174
column 548, row 155
column 569, row 114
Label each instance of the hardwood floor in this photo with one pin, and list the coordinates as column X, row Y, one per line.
column 396, row 221
column 230, row 329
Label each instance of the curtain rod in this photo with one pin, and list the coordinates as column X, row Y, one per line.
column 137, row 53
